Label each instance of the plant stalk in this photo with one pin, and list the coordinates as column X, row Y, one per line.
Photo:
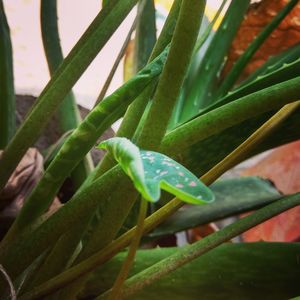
column 116, row 64
column 118, row 285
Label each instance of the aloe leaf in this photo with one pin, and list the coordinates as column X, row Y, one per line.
column 201, row 40
column 151, row 171
column 205, row 36
column 59, row 257
column 237, row 68
column 200, row 93
column 274, row 63
column 108, row 2
column 50, row 153
column 232, row 196
column 116, row 64
column 231, row 271
column 69, row 117
column 7, row 92
column 191, row 76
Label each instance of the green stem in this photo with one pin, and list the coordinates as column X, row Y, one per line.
column 7, row 92
column 168, row 89
column 238, row 67
column 118, row 285
column 60, row 84
column 116, row 63
column 190, row 252
column 69, row 116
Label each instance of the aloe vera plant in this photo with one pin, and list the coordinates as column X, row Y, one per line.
column 183, row 126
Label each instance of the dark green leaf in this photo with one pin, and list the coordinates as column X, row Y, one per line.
column 242, row 61
column 145, row 33
column 274, row 63
column 200, row 93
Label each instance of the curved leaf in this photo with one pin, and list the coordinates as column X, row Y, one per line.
column 151, row 171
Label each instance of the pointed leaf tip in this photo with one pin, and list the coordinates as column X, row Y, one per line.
column 151, row 171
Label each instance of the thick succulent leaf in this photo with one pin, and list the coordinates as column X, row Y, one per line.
column 233, row 196
column 206, row 79
column 231, row 271
column 191, row 75
column 258, row 16
column 151, row 171
column 274, row 63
